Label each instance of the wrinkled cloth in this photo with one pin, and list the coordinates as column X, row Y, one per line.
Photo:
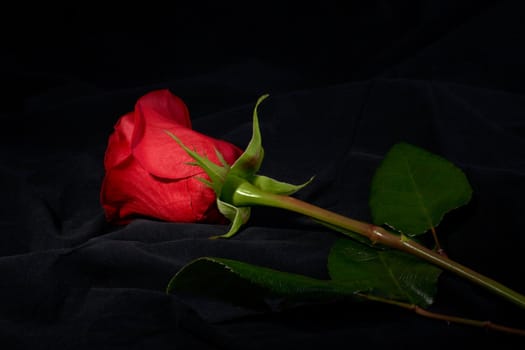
column 447, row 77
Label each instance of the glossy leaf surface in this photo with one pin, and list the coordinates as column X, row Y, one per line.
column 392, row 274
column 245, row 284
column 413, row 189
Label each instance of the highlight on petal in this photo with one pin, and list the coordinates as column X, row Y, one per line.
column 159, row 154
column 161, row 110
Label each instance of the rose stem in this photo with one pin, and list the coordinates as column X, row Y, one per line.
column 248, row 195
column 437, row 316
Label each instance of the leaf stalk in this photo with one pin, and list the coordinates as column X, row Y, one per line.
column 447, row 318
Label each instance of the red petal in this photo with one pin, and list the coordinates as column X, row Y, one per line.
column 129, row 191
column 119, row 143
column 163, row 109
column 146, row 170
column 160, row 155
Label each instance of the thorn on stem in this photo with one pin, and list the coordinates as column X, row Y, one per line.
column 441, row 252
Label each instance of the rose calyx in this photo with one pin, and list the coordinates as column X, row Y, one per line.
column 238, row 186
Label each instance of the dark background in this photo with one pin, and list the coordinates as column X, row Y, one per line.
column 346, row 81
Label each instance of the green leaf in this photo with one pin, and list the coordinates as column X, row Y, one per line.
column 391, row 274
column 240, row 283
column 353, row 267
column 249, row 162
column 268, row 184
column 413, row 189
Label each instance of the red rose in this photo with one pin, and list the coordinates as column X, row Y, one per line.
column 147, row 172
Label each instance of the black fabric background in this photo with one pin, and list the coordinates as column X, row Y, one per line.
column 345, row 84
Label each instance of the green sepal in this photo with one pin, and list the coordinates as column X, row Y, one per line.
column 205, row 181
column 238, row 216
column 227, row 181
column 216, row 172
column 250, row 161
column 221, row 159
column 268, row 184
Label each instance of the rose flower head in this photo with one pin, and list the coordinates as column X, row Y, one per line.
column 147, row 174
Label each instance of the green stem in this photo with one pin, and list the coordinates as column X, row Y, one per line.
column 248, row 195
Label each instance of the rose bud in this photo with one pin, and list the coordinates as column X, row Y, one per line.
column 149, row 175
